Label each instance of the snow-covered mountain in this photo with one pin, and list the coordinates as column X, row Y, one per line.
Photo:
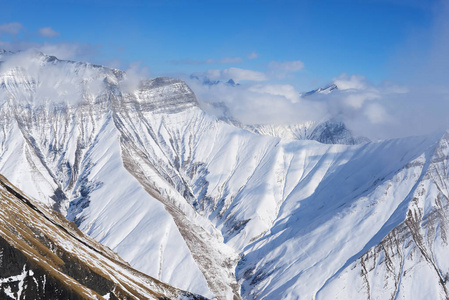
column 212, row 208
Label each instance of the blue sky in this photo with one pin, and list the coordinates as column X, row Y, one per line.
column 169, row 37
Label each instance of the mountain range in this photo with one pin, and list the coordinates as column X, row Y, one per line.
column 217, row 209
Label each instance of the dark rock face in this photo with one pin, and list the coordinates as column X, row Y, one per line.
column 21, row 279
column 334, row 132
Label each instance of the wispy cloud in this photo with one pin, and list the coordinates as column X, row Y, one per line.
column 11, row 28
column 282, row 69
column 48, row 32
column 348, row 82
column 235, row 74
column 230, row 60
column 225, row 60
column 275, row 70
column 135, row 73
column 253, row 55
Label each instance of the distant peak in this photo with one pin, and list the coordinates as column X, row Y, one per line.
column 322, row 90
column 231, row 82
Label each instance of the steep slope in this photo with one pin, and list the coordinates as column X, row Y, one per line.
column 333, row 216
column 411, row 261
column 43, row 256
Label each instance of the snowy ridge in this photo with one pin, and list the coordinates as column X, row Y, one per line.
column 323, row 90
column 190, row 199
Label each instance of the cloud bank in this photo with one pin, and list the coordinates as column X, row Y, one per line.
column 381, row 111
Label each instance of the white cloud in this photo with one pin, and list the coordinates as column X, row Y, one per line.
column 133, row 76
column 259, row 102
column 48, row 32
column 11, row 28
column 376, row 113
column 358, row 98
column 347, row 82
column 284, row 90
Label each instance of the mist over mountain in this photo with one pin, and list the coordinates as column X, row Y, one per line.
column 375, row 111
column 214, row 207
